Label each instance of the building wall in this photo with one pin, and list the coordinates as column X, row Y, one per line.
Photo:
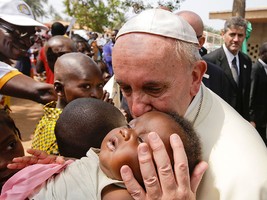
column 257, row 37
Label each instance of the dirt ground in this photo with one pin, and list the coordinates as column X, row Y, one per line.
column 26, row 115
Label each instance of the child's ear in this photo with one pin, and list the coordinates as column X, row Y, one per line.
column 59, row 88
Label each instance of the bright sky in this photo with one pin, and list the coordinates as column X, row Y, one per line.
column 201, row 7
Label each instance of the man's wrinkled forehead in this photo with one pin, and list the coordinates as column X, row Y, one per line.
column 159, row 22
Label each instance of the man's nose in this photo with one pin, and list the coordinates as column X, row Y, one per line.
column 236, row 38
column 139, row 106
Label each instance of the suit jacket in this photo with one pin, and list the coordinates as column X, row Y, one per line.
column 239, row 95
column 258, row 97
column 216, row 80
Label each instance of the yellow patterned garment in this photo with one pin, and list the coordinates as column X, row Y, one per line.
column 44, row 137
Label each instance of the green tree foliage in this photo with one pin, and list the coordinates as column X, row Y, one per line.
column 139, row 5
column 212, row 30
column 38, row 10
column 37, row 7
column 96, row 14
column 54, row 15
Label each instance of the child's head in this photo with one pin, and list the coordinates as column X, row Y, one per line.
column 84, row 123
column 10, row 145
column 104, row 69
column 76, row 76
column 81, row 44
column 56, row 47
column 119, row 147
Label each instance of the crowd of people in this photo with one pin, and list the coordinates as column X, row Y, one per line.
column 184, row 125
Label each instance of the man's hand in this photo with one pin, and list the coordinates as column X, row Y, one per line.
column 25, row 87
column 167, row 184
column 45, row 93
column 38, row 156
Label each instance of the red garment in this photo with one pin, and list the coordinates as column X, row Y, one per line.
column 49, row 73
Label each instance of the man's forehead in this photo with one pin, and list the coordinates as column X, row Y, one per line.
column 236, row 28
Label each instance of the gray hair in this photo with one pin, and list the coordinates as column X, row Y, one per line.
column 187, row 52
column 234, row 22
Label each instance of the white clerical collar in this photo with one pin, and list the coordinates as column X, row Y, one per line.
column 197, row 101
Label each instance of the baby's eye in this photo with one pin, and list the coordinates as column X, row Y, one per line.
column 11, row 145
column 140, row 140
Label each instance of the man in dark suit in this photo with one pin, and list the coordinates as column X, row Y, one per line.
column 258, row 97
column 235, row 64
column 214, row 78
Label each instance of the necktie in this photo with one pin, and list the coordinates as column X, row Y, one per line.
column 234, row 70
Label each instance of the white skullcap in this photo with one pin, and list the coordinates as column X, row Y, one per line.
column 160, row 22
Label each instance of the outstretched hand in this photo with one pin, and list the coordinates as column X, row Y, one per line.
column 37, row 156
column 166, row 184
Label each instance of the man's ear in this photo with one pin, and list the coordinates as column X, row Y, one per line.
column 201, row 41
column 200, row 67
column 222, row 32
column 59, row 88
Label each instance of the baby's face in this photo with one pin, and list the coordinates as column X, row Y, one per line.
column 119, row 147
column 10, row 147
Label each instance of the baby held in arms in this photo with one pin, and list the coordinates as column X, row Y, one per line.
column 97, row 176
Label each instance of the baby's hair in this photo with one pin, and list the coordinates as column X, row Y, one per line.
column 190, row 141
column 6, row 120
column 84, row 123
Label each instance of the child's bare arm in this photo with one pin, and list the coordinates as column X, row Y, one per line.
column 37, row 156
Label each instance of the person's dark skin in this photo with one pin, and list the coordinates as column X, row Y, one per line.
column 20, row 85
column 76, row 76
column 57, row 46
column 103, row 67
column 25, row 87
column 10, row 147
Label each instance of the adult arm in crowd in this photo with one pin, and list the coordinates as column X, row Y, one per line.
column 167, row 183
column 25, row 87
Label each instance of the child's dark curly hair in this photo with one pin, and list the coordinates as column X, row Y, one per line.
column 6, row 120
